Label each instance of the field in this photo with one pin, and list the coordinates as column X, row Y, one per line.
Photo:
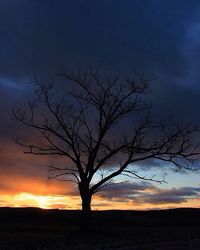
column 37, row 229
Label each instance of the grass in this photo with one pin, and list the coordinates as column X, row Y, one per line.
column 33, row 229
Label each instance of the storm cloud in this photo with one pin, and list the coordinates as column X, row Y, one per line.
column 160, row 38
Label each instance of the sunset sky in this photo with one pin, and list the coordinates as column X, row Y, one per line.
column 160, row 38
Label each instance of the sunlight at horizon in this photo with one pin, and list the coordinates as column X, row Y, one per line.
column 25, row 199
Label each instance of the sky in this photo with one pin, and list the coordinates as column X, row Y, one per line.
column 160, row 38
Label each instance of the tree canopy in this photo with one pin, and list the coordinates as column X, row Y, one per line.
column 102, row 126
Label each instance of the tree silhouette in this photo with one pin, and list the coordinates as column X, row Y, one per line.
column 85, row 121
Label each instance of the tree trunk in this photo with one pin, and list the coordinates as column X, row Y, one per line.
column 86, row 218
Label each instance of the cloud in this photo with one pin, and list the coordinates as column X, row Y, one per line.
column 174, row 195
column 40, row 35
column 37, row 186
column 125, row 190
column 146, row 193
column 21, row 172
column 163, row 168
column 151, row 164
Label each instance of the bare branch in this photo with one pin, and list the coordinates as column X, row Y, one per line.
column 82, row 120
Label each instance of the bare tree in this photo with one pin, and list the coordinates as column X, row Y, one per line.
column 86, row 122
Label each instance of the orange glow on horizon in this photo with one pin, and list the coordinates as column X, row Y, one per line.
column 25, row 183
column 41, row 201
column 73, row 202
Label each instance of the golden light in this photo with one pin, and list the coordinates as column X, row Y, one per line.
column 53, row 201
column 37, row 200
column 42, row 201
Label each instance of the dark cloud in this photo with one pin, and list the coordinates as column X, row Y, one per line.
column 161, row 167
column 175, row 195
column 38, row 35
column 150, row 164
column 157, row 37
column 125, row 190
column 144, row 192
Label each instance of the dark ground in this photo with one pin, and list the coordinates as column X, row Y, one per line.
column 37, row 229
